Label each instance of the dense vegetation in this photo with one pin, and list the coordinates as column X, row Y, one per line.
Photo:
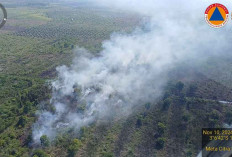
column 39, row 36
column 36, row 39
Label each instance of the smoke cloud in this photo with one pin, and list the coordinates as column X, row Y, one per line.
column 131, row 69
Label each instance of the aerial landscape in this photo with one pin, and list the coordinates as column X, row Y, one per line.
column 95, row 78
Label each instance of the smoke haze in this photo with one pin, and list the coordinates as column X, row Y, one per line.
column 131, row 69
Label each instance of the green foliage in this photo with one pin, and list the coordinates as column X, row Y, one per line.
column 27, row 107
column 167, row 94
column 39, row 153
column 84, row 133
column 160, row 142
column 139, row 122
column 166, row 104
column 74, row 147
column 191, row 90
column 189, row 153
column 107, row 154
column 22, row 121
column 130, row 153
column 228, row 117
column 214, row 115
column 161, row 128
column 37, row 41
column 179, row 86
column 186, row 117
column 44, row 141
column 81, row 107
column 148, row 106
column 214, row 118
column 28, row 57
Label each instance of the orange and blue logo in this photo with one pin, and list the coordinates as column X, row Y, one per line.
column 216, row 15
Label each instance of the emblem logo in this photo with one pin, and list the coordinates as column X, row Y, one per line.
column 216, row 15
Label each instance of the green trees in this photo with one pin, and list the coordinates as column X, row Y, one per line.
column 74, row 147
column 148, row 106
column 160, row 142
column 229, row 117
column 107, row 154
column 139, row 121
column 161, row 128
column 44, row 141
column 179, row 86
column 191, row 90
column 27, row 107
column 186, row 117
column 161, row 139
column 214, row 118
column 22, row 121
column 166, row 104
column 39, row 153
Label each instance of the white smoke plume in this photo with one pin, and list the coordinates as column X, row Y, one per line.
column 131, row 69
